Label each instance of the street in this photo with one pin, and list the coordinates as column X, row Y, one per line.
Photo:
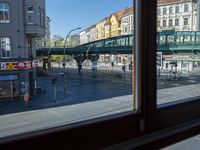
column 85, row 99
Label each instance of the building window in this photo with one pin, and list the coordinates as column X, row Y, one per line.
column 4, row 13
column 170, row 10
column 177, row 9
column 158, row 12
column 158, row 23
column 185, row 21
column 164, row 11
column 170, row 22
column 5, row 47
column 30, row 14
column 186, row 8
column 30, row 9
column 176, row 22
column 164, row 23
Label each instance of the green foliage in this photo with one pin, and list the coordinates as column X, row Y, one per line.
column 58, row 41
column 59, row 58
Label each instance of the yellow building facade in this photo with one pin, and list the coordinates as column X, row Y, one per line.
column 116, row 23
column 113, row 24
column 108, row 27
column 100, row 29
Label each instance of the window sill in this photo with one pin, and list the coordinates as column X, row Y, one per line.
column 93, row 134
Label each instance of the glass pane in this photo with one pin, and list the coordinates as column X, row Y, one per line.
column 72, row 74
column 178, row 52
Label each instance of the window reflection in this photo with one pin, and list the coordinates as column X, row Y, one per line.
column 177, row 51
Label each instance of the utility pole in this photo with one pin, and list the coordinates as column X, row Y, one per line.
column 64, row 63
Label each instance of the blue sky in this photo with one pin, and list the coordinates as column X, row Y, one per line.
column 69, row 14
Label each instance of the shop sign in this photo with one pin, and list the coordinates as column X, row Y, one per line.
column 3, row 66
column 35, row 63
column 182, row 57
column 10, row 66
column 15, row 65
column 8, row 77
column 21, row 65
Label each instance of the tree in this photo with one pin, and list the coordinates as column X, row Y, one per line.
column 58, row 41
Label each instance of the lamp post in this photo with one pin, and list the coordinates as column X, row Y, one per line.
column 64, row 63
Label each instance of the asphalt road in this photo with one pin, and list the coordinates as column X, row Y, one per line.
column 85, row 99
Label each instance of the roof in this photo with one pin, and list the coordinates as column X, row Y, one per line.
column 163, row 2
column 104, row 19
column 128, row 11
column 90, row 27
column 108, row 20
column 119, row 14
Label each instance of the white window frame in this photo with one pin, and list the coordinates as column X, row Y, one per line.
column 186, row 8
column 7, row 47
column 164, row 24
column 30, row 13
column 177, row 9
column 171, row 10
column 177, row 22
column 170, row 22
column 4, row 10
column 164, row 10
column 184, row 20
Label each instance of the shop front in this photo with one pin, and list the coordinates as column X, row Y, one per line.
column 16, row 79
column 9, row 87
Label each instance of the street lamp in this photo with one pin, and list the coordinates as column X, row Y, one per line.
column 64, row 63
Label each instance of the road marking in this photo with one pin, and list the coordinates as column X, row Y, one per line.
column 59, row 115
column 14, row 126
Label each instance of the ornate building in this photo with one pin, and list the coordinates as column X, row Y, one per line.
column 178, row 15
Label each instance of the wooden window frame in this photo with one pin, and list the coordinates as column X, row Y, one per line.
column 110, row 130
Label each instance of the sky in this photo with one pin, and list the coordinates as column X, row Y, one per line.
column 66, row 15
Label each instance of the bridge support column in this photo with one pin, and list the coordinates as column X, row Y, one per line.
column 94, row 59
column 46, row 64
column 79, row 59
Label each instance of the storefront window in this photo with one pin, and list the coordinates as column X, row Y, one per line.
column 9, row 88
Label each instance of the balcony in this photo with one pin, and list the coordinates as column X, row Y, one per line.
column 35, row 30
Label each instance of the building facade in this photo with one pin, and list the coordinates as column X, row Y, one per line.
column 100, row 29
column 91, row 33
column 73, row 40
column 178, row 15
column 127, row 22
column 21, row 22
column 46, row 40
column 107, row 27
column 88, row 35
column 83, row 37
column 115, row 21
